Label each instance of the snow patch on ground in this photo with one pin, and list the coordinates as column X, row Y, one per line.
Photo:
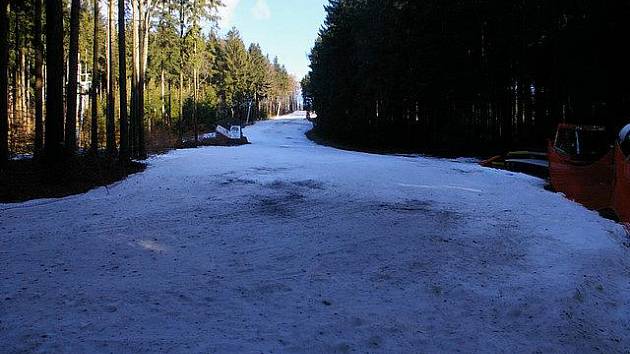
column 287, row 246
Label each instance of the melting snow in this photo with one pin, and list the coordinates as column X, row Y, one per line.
column 287, row 246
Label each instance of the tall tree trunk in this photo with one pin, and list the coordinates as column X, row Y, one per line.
column 71, row 119
column 249, row 111
column 195, row 87
column 53, row 148
column 181, row 68
column 145, row 16
column 27, row 93
column 16, row 79
column 133, row 141
column 163, row 93
column 22, row 88
column 279, row 106
column 136, row 19
column 170, row 103
column 195, row 78
column 39, row 81
column 180, row 109
column 110, row 122
column 4, row 83
column 122, row 82
column 95, row 83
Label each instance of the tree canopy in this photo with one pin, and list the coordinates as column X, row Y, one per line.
column 183, row 75
column 467, row 75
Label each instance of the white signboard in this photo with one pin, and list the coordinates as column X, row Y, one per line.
column 233, row 133
column 223, row 131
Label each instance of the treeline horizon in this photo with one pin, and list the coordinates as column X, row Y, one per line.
column 147, row 74
column 468, row 77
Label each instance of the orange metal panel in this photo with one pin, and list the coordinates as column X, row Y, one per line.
column 588, row 183
column 621, row 197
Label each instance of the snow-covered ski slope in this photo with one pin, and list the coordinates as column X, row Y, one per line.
column 285, row 246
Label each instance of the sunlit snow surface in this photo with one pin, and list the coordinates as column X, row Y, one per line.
column 287, row 246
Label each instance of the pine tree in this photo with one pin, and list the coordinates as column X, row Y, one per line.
column 259, row 78
column 233, row 61
column 164, row 63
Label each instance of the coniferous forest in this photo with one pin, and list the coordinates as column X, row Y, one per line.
column 122, row 78
column 468, row 77
column 166, row 187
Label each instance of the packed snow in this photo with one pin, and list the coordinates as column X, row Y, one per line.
column 287, row 246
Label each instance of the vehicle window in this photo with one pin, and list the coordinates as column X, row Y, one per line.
column 593, row 143
column 566, row 141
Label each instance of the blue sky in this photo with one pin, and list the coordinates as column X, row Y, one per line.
column 284, row 28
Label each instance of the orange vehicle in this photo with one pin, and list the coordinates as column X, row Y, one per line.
column 581, row 165
column 621, row 195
